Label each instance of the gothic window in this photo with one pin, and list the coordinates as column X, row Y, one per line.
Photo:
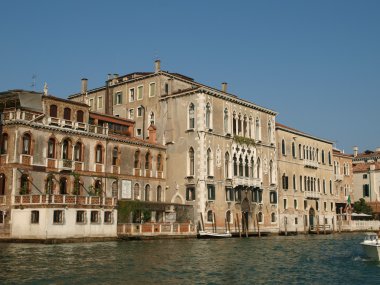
column 159, row 193
column 99, row 154
column 191, row 161
column 241, row 166
column 115, row 189
column 78, row 151
column 51, row 148
column 258, row 168
column 67, row 114
column 147, row 192
column 136, row 191
column 65, row 149
column 225, row 120
column 80, row 116
column 136, row 163
column 2, row 184
column 235, row 166
column 49, row 186
column 227, row 165
column 159, row 162
column 63, row 185
column 246, row 167
column 26, row 144
column 208, row 116
column 257, row 129
column 24, row 184
column 283, row 149
column 293, row 150
column 148, row 161
column 191, row 116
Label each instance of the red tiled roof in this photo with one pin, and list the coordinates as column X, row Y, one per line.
column 363, row 167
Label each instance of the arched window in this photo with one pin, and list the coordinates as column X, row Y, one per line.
column 80, row 116
column 331, row 189
column 228, row 216
column 49, row 186
column 147, row 161
column 293, row 150
column 53, row 111
column 307, row 152
column 136, row 191
column 252, row 167
column 210, row 216
column 209, row 162
column 136, row 163
column 2, row 184
column 258, row 168
column 159, row 193
column 234, row 123
column 159, row 162
column 99, row 154
column 63, row 185
column 4, row 144
column 78, row 152
column 115, row 189
column 241, row 166
column 246, row 167
column 300, row 151
column 67, row 114
column 227, row 165
column 66, row 149
column 301, row 182
column 271, row 180
column 283, row 149
column 191, row 116
column 26, row 144
column 273, row 217
column 329, row 157
column 115, row 155
column 235, row 166
column 24, row 184
column 245, row 125
column 98, row 187
column 147, row 192
column 51, row 148
column 208, row 116
column 294, row 182
column 191, row 161
column 323, row 156
column 257, row 129
column 151, row 118
column 226, row 120
column 260, row 217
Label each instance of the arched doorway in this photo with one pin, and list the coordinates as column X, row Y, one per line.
column 311, row 217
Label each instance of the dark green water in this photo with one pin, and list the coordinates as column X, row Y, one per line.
column 330, row 259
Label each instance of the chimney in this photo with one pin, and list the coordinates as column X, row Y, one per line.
column 109, row 76
column 157, row 65
column 224, row 86
column 115, row 75
column 356, row 149
column 152, row 134
column 84, row 86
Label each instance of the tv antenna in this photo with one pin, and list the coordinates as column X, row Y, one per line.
column 33, row 84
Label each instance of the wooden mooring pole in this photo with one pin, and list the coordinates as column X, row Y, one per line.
column 238, row 223
column 214, row 222
column 203, row 224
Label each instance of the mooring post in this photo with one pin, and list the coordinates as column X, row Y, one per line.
column 238, row 223
column 203, row 224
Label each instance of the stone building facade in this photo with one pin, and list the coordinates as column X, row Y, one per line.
column 307, row 196
column 221, row 150
column 63, row 168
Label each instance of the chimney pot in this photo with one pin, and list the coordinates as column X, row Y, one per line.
column 84, row 85
column 224, row 86
column 157, row 65
column 356, row 150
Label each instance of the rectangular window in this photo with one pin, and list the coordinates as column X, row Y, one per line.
column 364, row 176
column 366, row 190
column 58, row 217
column 35, row 217
column 190, row 193
column 152, row 89
column 285, row 182
column 139, row 93
column 100, row 102
column 131, row 114
column 295, row 204
column 139, row 112
column 211, row 192
column 138, row 132
column 305, row 204
column 91, row 104
column 80, row 217
column 132, row 95
column 273, row 197
column 118, row 98
column 325, row 206
column 285, row 204
column 107, row 217
column 332, row 206
column 94, row 216
column 296, row 221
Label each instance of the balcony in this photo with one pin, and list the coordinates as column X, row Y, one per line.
column 3, row 159
column 65, row 164
column 246, row 181
column 64, row 200
column 98, row 167
column 310, row 163
column 312, row 195
column 26, row 159
column 78, row 166
column 51, row 163
column 67, row 124
column 338, row 177
column 136, row 171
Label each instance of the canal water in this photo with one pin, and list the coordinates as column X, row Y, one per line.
column 323, row 259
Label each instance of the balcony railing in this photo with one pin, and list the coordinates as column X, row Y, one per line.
column 64, row 200
column 65, row 164
column 246, row 181
column 310, row 163
column 312, row 195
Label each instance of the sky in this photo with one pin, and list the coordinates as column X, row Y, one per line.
column 317, row 63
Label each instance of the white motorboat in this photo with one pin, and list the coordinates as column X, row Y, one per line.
column 371, row 246
column 203, row 234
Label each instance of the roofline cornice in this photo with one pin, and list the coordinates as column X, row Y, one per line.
column 302, row 134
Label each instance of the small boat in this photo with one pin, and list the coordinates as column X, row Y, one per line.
column 203, row 234
column 371, row 246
